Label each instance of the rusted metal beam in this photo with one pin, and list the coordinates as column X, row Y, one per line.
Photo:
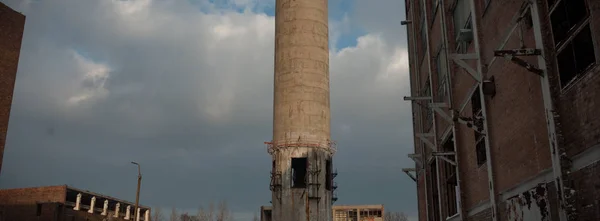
column 407, row 171
column 521, row 63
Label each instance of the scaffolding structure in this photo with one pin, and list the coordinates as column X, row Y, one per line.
column 429, row 145
column 313, row 172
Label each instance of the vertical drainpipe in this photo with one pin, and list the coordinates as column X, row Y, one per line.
column 433, row 121
column 550, row 115
column 419, row 126
column 450, row 104
column 490, row 169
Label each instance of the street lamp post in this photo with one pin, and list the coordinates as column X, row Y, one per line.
column 137, row 195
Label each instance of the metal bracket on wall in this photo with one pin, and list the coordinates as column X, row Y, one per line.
column 443, row 155
column 408, row 172
column 416, row 158
column 513, row 54
column 424, row 138
column 416, row 98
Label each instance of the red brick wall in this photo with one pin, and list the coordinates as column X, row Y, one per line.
column 587, row 183
column 578, row 104
column 23, row 196
column 578, row 121
column 11, row 32
column 517, row 125
column 49, row 212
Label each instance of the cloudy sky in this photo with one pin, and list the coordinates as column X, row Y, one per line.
column 185, row 88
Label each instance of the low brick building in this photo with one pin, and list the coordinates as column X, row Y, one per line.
column 65, row 203
column 12, row 24
column 505, row 98
column 341, row 213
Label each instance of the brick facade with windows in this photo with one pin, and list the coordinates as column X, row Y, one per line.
column 514, row 110
column 12, row 24
column 58, row 203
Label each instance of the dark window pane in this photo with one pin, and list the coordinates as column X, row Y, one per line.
column 584, row 50
column 550, row 3
column 576, row 11
column 560, row 23
column 566, row 65
column 566, row 16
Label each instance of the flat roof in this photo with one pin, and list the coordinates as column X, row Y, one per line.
column 67, row 188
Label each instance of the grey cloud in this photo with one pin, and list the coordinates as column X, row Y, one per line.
column 192, row 107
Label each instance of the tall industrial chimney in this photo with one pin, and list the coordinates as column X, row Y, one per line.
column 301, row 177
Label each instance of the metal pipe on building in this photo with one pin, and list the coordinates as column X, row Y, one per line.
column 419, row 116
column 433, row 121
column 490, row 169
column 555, row 150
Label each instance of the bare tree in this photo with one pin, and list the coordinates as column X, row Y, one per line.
column 173, row 215
column 202, row 216
column 223, row 213
column 158, row 216
column 395, row 216
column 210, row 216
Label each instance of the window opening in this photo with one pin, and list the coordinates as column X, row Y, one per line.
column 434, row 192
column 572, row 38
column 299, row 166
column 328, row 175
column 428, row 110
column 479, row 141
column 38, row 211
column 450, row 178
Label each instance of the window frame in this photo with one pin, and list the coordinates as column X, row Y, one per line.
column 573, row 32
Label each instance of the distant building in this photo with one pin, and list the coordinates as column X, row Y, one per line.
column 341, row 213
column 12, row 24
column 65, row 203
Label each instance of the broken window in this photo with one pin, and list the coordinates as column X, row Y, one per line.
column 299, row 167
column 328, row 175
column 477, row 118
column 450, row 178
column 572, row 38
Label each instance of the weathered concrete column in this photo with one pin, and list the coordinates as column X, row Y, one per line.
column 105, row 208
column 77, row 202
column 137, row 214
column 117, row 210
column 127, row 212
column 301, row 145
column 92, row 204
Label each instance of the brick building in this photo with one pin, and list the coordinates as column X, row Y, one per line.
column 505, row 98
column 341, row 213
column 65, row 203
column 12, row 24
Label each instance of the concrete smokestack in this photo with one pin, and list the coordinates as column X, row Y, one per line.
column 301, row 180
